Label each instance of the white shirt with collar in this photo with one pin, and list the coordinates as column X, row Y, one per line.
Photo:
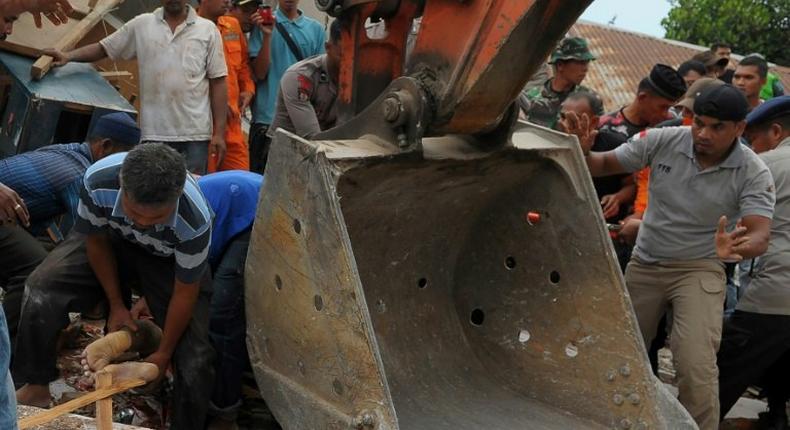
column 174, row 69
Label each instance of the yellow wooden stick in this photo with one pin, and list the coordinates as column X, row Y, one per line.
column 79, row 402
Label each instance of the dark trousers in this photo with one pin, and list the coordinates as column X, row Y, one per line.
column 228, row 327
column 65, row 283
column 20, row 254
column 195, row 153
column 751, row 346
column 259, row 145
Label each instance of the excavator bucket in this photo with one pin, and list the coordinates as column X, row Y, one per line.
column 450, row 287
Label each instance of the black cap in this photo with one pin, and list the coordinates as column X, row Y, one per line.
column 723, row 102
column 666, row 82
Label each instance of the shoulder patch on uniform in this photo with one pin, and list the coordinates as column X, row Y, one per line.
column 230, row 36
column 305, row 87
column 642, row 134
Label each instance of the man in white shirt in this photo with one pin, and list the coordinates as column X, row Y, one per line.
column 181, row 65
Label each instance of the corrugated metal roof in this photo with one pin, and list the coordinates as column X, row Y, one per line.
column 75, row 82
column 625, row 57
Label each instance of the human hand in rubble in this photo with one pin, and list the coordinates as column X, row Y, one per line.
column 610, row 204
column 729, row 245
column 59, row 57
column 119, row 318
column 580, row 126
column 217, row 148
column 12, row 207
column 628, row 232
column 56, row 11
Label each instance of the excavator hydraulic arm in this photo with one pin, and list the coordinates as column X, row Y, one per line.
column 431, row 263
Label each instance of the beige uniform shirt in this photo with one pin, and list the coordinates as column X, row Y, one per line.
column 306, row 102
column 769, row 289
column 174, row 69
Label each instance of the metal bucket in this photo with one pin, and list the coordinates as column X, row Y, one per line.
column 448, row 288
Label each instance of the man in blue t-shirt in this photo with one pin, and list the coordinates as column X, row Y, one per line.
column 233, row 197
column 270, row 57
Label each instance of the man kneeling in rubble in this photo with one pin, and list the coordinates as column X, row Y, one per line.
column 140, row 218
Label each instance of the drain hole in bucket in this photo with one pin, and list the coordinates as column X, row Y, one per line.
column 318, row 301
column 297, row 226
column 477, row 317
column 422, row 282
column 554, row 277
column 510, row 263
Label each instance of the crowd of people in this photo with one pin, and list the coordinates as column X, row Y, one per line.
column 154, row 221
column 691, row 179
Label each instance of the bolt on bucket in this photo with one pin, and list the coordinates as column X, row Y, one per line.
column 448, row 288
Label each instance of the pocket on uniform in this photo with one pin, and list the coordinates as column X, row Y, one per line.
column 712, row 283
column 193, row 58
column 233, row 54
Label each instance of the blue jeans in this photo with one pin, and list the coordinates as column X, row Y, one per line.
column 7, row 394
column 228, row 327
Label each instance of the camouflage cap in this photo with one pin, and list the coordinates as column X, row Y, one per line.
column 572, row 48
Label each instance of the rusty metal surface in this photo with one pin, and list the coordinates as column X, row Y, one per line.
column 495, row 47
column 408, row 291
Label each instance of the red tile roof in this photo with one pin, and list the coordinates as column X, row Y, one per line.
column 625, row 57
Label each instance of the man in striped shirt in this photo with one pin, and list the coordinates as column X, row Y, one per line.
column 39, row 190
column 140, row 218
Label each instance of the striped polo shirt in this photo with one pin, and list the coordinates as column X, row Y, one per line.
column 186, row 235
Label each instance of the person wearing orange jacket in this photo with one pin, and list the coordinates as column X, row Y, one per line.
column 241, row 87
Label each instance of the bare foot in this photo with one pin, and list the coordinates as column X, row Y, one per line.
column 34, row 395
column 101, row 352
column 133, row 370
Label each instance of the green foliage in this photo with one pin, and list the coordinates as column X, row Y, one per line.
column 748, row 25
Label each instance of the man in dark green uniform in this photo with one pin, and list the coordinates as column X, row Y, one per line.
column 541, row 105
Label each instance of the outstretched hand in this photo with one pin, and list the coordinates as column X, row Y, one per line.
column 56, row 11
column 582, row 127
column 730, row 245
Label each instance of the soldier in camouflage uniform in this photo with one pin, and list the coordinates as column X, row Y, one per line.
column 541, row 104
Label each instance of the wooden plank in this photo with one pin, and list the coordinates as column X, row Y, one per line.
column 104, row 406
column 116, row 75
column 77, row 13
column 23, row 50
column 44, row 63
column 77, row 403
column 69, row 421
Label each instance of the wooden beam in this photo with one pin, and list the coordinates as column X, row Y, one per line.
column 77, row 13
column 115, row 76
column 104, row 406
column 84, row 400
column 23, row 50
column 44, row 63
